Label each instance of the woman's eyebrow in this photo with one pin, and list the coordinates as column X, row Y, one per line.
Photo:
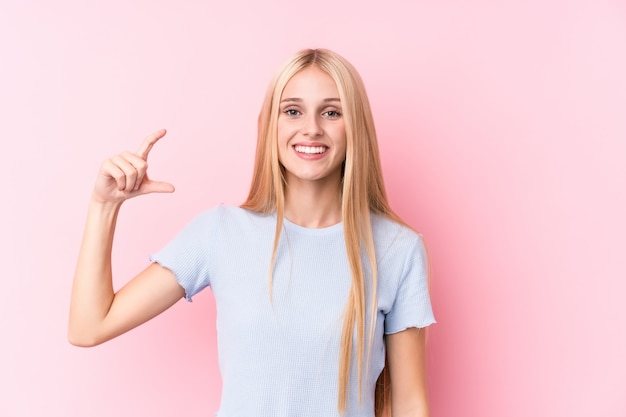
column 299, row 100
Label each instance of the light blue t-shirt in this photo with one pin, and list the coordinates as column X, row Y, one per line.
column 279, row 357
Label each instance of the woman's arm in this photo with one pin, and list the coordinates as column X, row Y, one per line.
column 407, row 370
column 97, row 314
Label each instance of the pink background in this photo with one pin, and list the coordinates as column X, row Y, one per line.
column 503, row 137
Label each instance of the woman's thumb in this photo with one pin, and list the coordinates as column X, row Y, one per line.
column 149, row 186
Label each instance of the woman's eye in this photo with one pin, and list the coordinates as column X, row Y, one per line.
column 333, row 114
column 292, row 112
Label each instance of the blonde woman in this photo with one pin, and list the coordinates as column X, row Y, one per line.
column 318, row 283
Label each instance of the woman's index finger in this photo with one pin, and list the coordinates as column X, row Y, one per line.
column 149, row 142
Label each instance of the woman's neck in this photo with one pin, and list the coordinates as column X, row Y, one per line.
column 313, row 204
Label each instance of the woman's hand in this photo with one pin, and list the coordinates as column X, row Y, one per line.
column 125, row 175
column 97, row 313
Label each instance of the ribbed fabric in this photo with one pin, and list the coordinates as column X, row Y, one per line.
column 279, row 358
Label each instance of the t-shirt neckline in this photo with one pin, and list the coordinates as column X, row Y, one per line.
column 318, row 231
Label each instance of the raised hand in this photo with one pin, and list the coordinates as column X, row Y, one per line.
column 125, row 175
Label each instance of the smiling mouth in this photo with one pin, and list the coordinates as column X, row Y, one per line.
column 310, row 150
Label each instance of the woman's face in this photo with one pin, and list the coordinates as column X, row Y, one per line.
column 311, row 129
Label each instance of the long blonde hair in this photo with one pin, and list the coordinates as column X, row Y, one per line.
column 363, row 192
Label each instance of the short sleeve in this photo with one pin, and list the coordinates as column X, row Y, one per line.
column 187, row 255
column 411, row 307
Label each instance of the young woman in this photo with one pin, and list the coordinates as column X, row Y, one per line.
column 318, row 283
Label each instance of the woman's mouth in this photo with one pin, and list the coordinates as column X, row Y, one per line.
column 310, row 150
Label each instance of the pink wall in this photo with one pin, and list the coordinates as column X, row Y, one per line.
column 503, row 136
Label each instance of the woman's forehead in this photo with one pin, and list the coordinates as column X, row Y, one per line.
column 310, row 83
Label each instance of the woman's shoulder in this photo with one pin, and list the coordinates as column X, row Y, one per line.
column 233, row 216
column 393, row 237
column 384, row 228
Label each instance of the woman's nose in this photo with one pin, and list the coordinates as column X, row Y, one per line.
column 312, row 126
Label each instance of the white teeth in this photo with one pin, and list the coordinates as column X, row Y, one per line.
column 310, row 149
